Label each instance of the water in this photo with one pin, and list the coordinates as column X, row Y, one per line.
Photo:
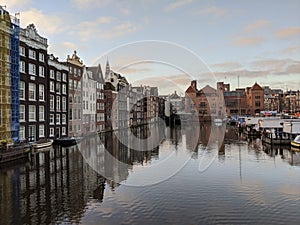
column 185, row 180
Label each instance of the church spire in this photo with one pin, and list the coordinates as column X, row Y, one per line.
column 107, row 69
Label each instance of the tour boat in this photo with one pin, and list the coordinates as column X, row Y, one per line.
column 44, row 143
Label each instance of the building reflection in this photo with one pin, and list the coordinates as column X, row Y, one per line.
column 57, row 184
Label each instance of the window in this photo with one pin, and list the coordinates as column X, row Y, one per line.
column 71, row 84
column 57, row 118
column 51, row 102
column 63, row 130
column 31, row 91
column 58, row 87
column 41, row 92
column 22, row 51
column 51, row 86
column 32, row 54
column 22, row 66
column 22, row 132
column 64, row 104
column 52, row 74
column 32, row 113
column 51, row 119
column 57, row 103
column 42, row 57
column 22, row 90
column 70, row 114
column 41, row 71
column 41, row 130
column 64, row 77
column 63, row 118
column 31, row 69
column 257, row 104
column 58, row 76
column 31, row 132
column 75, row 71
column 64, row 89
column 51, row 133
column 41, row 113
column 22, row 113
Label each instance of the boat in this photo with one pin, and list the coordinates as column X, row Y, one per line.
column 66, row 141
column 296, row 142
column 14, row 152
column 218, row 122
column 43, row 143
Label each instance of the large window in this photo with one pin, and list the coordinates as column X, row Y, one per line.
column 42, row 57
column 64, row 104
column 51, row 102
column 63, row 130
column 22, row 113
column 31, row 69
column 41, row 71
column 51, row 132
column 51, row 86
column 58, row 88
column 64, row 89
column 22, row 90
column 31, row 91
column 58, row 76
column 57, row 103
column 63, row 118
column 51, row 119
column 41, row 113
column 22, row 51
column 57, row 118
column 52, row 75
column 22, row 66
column 42, row 130
column 32, row 113
column 22, row 132
column 64, row 77
column 41, row 92
column 32, row 54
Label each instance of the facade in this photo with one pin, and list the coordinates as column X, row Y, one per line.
column 255, row 99
column 100, row 102
column 272, row 99
column 207, row 102
column 58, row 95
column 88, row 102
column 33, row 85
column 75, row 65
column 9, row 77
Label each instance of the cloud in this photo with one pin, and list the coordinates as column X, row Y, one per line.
column 247, row 41
column 125, row 11
column 17, row 3
column 104, row 28
column 177, row 4
column 257, row 25
column 291, row 50
column 84, row 4
column 228, row 65
column 212, row 11
column 288, row 32
column 46, row 23
column 274, row 65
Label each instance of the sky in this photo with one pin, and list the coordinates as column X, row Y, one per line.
column 168, row 43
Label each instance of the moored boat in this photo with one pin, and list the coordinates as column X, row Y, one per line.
column 296, row 142
column 14, row 152
column 66, row 141
column 43, row 143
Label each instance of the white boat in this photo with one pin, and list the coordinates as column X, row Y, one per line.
column 42, row 144
column 218, row 121
column 296, row 142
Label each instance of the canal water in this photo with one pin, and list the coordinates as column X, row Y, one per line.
column 210, row 175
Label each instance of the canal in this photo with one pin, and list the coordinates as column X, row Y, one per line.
column 210, row 175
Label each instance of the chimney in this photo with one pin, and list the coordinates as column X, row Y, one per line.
column 194, row 84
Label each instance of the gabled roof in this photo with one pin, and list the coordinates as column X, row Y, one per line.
column 208, row 89
column 175, row 96
column 191, row 90
column 256, row 86
column 97, row 73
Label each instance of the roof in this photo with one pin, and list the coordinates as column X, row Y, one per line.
column 191, row 89
column 96, row 73
column 256, row 86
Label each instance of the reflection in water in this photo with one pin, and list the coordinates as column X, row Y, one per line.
column 58, row 185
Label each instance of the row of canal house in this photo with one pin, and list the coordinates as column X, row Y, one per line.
column 210, row 103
